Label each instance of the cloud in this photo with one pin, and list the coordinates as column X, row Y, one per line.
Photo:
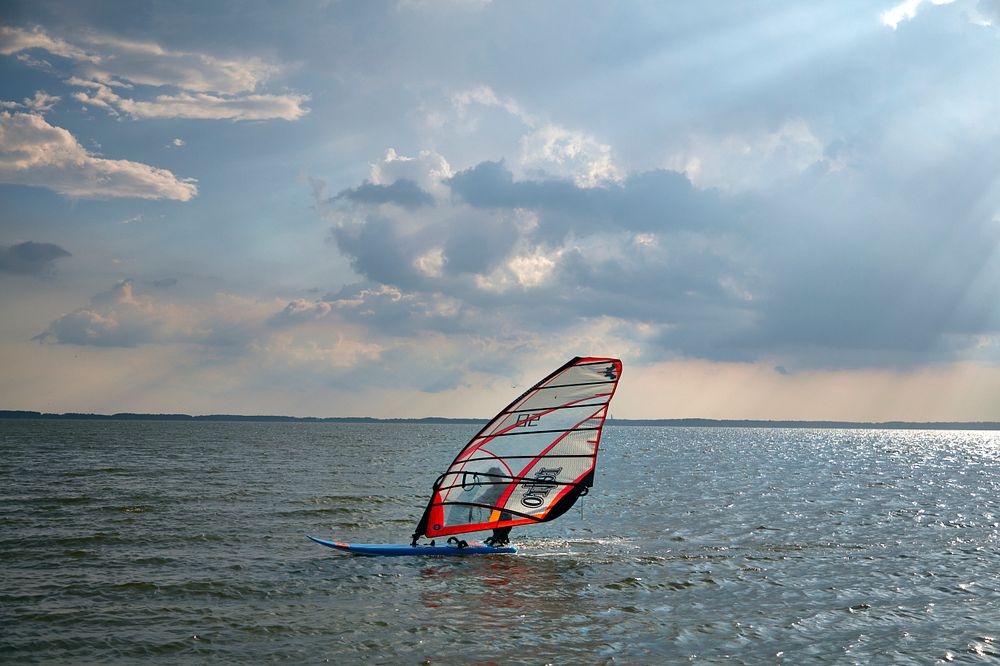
column 753, row 160
column 209, row 87
column 561, row 152
column 33, row 152
column 807, row 270
column 388, row 311
column 42, row 102
column 906, row 11
column 989, row 11
column 198, row 105
column 545, row 147
column 403, row 192
column 125, row 316
column 102, row 96
column 108, row 59
column 543, row 255
column 486, row 96
column 428, row 170
column 212, row 107
column 653, row 200
column 15, row 40
column 300, row 310
column 30, row 258
column 381, row 249
column 290, row 344
column 478, row 243
column 116, row 318
column 148, row 63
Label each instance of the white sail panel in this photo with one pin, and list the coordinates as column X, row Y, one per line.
column 531, row 462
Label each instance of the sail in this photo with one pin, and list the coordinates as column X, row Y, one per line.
column 533, row 460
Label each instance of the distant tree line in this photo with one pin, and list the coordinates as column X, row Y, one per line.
column 681, row 423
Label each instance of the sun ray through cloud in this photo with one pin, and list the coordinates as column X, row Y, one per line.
column 777, row 202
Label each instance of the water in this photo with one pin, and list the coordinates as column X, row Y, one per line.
column 168, row 542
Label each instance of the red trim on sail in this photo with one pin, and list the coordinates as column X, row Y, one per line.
column 510, row 489
column 435, row 514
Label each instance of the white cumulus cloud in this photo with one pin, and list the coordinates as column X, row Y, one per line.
column 33, row 152
column 906, row 11
column 14, row 40
column 209, row 87
column 217, row 107
column 428, row 170
column 40, row 103
column 570, row 154
column 545, row 146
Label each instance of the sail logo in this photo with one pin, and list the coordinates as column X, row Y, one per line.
column 610, row 373
column 527, row 420
column 537, row 489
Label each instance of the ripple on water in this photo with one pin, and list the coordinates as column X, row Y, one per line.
column 735, row 545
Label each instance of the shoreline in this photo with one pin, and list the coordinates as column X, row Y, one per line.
column 436, row 420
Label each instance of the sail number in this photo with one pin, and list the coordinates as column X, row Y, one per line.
column 527, row 420
column 539, row 487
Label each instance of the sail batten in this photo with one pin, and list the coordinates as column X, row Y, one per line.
column 522, row 411
column 542, row 388
column 533, row 459
column 536, row 432
column 552, row 455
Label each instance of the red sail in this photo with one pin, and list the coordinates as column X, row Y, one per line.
column 533, row 460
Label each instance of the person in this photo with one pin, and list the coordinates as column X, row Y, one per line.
column 500, row 537
column 497, row 482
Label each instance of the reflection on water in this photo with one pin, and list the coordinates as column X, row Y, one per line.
column 168, row 541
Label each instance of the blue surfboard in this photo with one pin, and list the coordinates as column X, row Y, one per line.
column 406, row 549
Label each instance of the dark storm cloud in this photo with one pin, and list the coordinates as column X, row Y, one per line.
column 652, row 200
column 379, row 250
column 678, row 281
column 30, row 258
column 818, row 273
column 403, row 192
column 476, row 244
column 869, row 236
column 650, row 286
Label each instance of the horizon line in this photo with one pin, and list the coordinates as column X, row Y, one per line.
column 11, row 414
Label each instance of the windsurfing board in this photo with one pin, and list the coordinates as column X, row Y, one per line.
column 406, row 549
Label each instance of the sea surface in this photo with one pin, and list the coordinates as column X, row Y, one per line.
column 172, row 542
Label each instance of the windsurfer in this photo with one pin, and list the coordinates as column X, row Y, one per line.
column 491, row 485
column 492, row 496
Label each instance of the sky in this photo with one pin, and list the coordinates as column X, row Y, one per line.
column 767, row 210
